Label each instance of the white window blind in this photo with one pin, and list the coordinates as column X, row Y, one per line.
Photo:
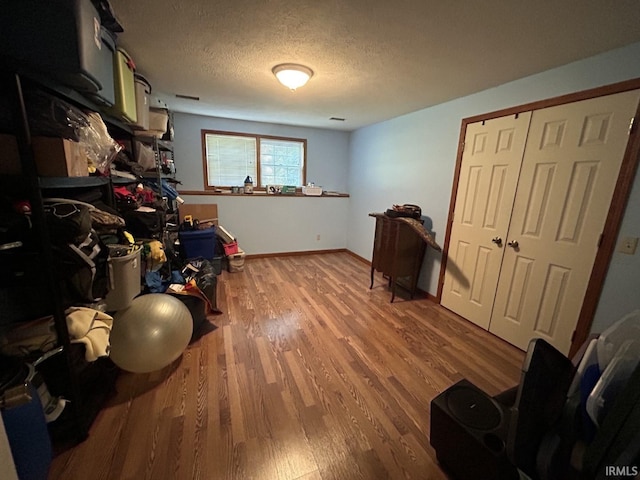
column 230, row 159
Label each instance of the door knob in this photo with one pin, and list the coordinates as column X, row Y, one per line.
column 513, row 244
column 497, row 240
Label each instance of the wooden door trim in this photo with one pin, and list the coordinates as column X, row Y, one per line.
column 616, row 208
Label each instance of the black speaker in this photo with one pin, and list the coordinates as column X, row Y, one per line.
column 468, row 432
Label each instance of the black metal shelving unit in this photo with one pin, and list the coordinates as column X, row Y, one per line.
column 86, row 385
column 161, row 147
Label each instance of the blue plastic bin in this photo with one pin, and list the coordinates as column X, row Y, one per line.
column 198, row 243
column 29, row 438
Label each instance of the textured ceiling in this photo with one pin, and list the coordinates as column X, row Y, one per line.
column 373, row 59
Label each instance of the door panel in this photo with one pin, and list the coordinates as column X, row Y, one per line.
column 568, row 175
column 489, row 172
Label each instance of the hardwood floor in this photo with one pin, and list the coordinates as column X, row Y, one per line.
column 309, row 375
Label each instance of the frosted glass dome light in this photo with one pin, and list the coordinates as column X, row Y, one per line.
column 292, row 75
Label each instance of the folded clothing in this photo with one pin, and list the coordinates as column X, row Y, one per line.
column 91, row 328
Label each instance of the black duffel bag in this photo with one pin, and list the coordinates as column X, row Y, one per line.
column 147, row 225
column 67, row 222
column 83, row 270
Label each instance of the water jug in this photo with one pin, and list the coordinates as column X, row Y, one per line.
column 248, row 185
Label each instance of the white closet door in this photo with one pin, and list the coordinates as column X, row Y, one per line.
column 489, row 172
column 569, row 172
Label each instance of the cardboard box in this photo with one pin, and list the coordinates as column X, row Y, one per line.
column 9, row 155
column 54, row 157
column 59, row 157
column 205, row 213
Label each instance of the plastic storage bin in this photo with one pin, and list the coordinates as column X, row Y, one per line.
column 104, row 70
column 124, row 85
column 613, row 380
column 217, row 264
column 158, row 118
column 198, row 243
column 312, row 191
column 60, row 37
column 230, row 248
column 614, row 337
column 124, row 277
column 25, row 422
column 143, row 90
column 236, row 261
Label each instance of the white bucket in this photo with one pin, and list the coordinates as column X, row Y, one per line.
column 124, row 278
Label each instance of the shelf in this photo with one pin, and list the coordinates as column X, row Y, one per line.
column 87, row 385
column 72, row 182
column 73, row 96
column 154, row 176
column 123, row 180
column 14, row 183
column 163, row 145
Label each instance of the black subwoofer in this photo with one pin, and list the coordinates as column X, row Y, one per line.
column 468, row 432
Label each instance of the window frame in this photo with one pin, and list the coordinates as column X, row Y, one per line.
column 258, row 137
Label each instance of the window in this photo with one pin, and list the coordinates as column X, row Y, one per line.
column 228, row 158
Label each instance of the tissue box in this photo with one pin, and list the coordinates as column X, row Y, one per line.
column 312, row 191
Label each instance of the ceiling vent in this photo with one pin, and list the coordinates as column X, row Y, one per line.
column 188, row 97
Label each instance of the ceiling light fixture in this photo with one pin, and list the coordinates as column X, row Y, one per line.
column 292, row 75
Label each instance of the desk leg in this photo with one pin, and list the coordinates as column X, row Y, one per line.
column 392, row 284
column 372, row 270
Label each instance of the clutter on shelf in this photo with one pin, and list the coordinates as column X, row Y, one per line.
column 81, row 252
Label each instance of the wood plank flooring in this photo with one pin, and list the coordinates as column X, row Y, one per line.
column 309, row 375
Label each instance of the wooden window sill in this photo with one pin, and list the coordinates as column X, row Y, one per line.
column 261, row 194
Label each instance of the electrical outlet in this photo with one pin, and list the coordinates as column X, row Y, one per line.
column 628, row 245
column 318, row 237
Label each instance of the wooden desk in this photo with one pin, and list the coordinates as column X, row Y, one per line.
column 398, row 251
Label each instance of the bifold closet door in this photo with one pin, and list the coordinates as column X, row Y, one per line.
column 491, row 160
column 569, row 172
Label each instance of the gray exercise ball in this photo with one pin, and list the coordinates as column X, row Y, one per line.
column 150, row 333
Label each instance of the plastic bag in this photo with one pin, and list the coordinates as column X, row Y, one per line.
column 145, row 156
column 101, row 149
column 50, row 116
